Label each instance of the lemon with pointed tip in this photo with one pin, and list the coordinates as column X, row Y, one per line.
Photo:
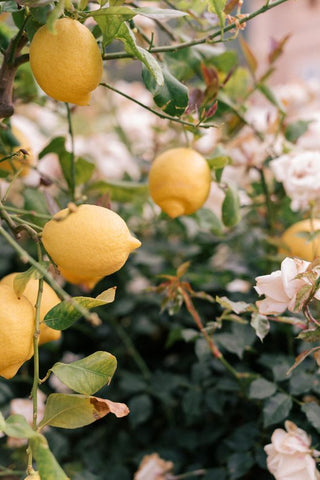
column 49, row 299
column 179, row 181
column 296, row 243
column 88, row 242
column 17, row 319
column 67, row 62
column 23, row 161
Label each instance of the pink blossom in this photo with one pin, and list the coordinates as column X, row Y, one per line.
column 290, row 456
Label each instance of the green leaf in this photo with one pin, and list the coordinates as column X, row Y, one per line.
column 35, row 200
column 2, row 423
column 109, row 24
column 208, row 221
column 294, row 130
column 261, row 325
column 172, row 97
column 231, row 207
column 87, row 375
column 312, row 412
column 239, row 464
column 56, row 145
column 140, row 409
column 276, row 409
column 21, row 280
column 65, row 313
column 66, row 160
column 310, row 335
column 84, row 170
column 220, row 161
column 127, row 37
column 121, row 191
column 261, row 388
column 159, row 13
column 16, row 426
column 47, row 464
column 74, row 411
column 217, row 7
column 268, row 93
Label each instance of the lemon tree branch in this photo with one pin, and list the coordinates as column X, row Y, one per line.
column 216, row 37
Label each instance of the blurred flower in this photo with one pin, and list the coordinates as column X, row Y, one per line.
column 152, row 467
column 289, row 455
column 300, row 174
column 24, row 406
column 281, row 287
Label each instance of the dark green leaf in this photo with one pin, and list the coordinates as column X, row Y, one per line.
column 56, row 145
column 239, row 464
column 140, row 409
column 231, row 207
column 276, row 409
column 171, row 97
column 127, row 37
column 312, row 412
column 261, row 388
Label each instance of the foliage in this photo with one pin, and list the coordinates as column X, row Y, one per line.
column 176, row 337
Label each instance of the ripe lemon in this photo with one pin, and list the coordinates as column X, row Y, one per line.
column 49, row 299
column 179, row 181
column 67, row 63
column 88, row 243
column 21, row 160
column 299, row 246
column 16, row 331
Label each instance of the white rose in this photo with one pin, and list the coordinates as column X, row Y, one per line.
column 289, row 455
column 281, row 287
column 300, row 174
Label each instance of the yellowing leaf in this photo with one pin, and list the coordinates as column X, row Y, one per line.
column 74, row 411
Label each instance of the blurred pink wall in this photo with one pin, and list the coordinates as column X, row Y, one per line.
column 300, row 18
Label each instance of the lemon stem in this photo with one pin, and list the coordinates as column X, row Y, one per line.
column 73, row 163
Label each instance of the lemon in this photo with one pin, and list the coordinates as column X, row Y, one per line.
column 298, row 245
column 88, row 243
column 67, row 63
column 24, row 161
column 16, row 331
column 49, row 299
column 179, row 181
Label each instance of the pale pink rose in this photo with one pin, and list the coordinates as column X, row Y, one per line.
column 281, row 287
column 152, row 467
column 299, row 172
column 290, row 456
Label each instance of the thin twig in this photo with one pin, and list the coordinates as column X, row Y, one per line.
column 160, row 114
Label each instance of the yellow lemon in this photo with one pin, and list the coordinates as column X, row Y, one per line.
column 298, row 245
column 67, row 63
column 21, row 159
column 179, row 181
column 88, row 243
column 49, row 300
column 16, row 331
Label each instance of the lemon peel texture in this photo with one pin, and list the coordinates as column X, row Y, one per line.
column 297, row 245
column 88, row 243
column 179, row 181
column 16, row 331
column 67, row 63
column 49, row 299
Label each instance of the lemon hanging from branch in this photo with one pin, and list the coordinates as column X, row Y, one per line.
column 88, row 242
column 66, row 63
column 179, row 181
